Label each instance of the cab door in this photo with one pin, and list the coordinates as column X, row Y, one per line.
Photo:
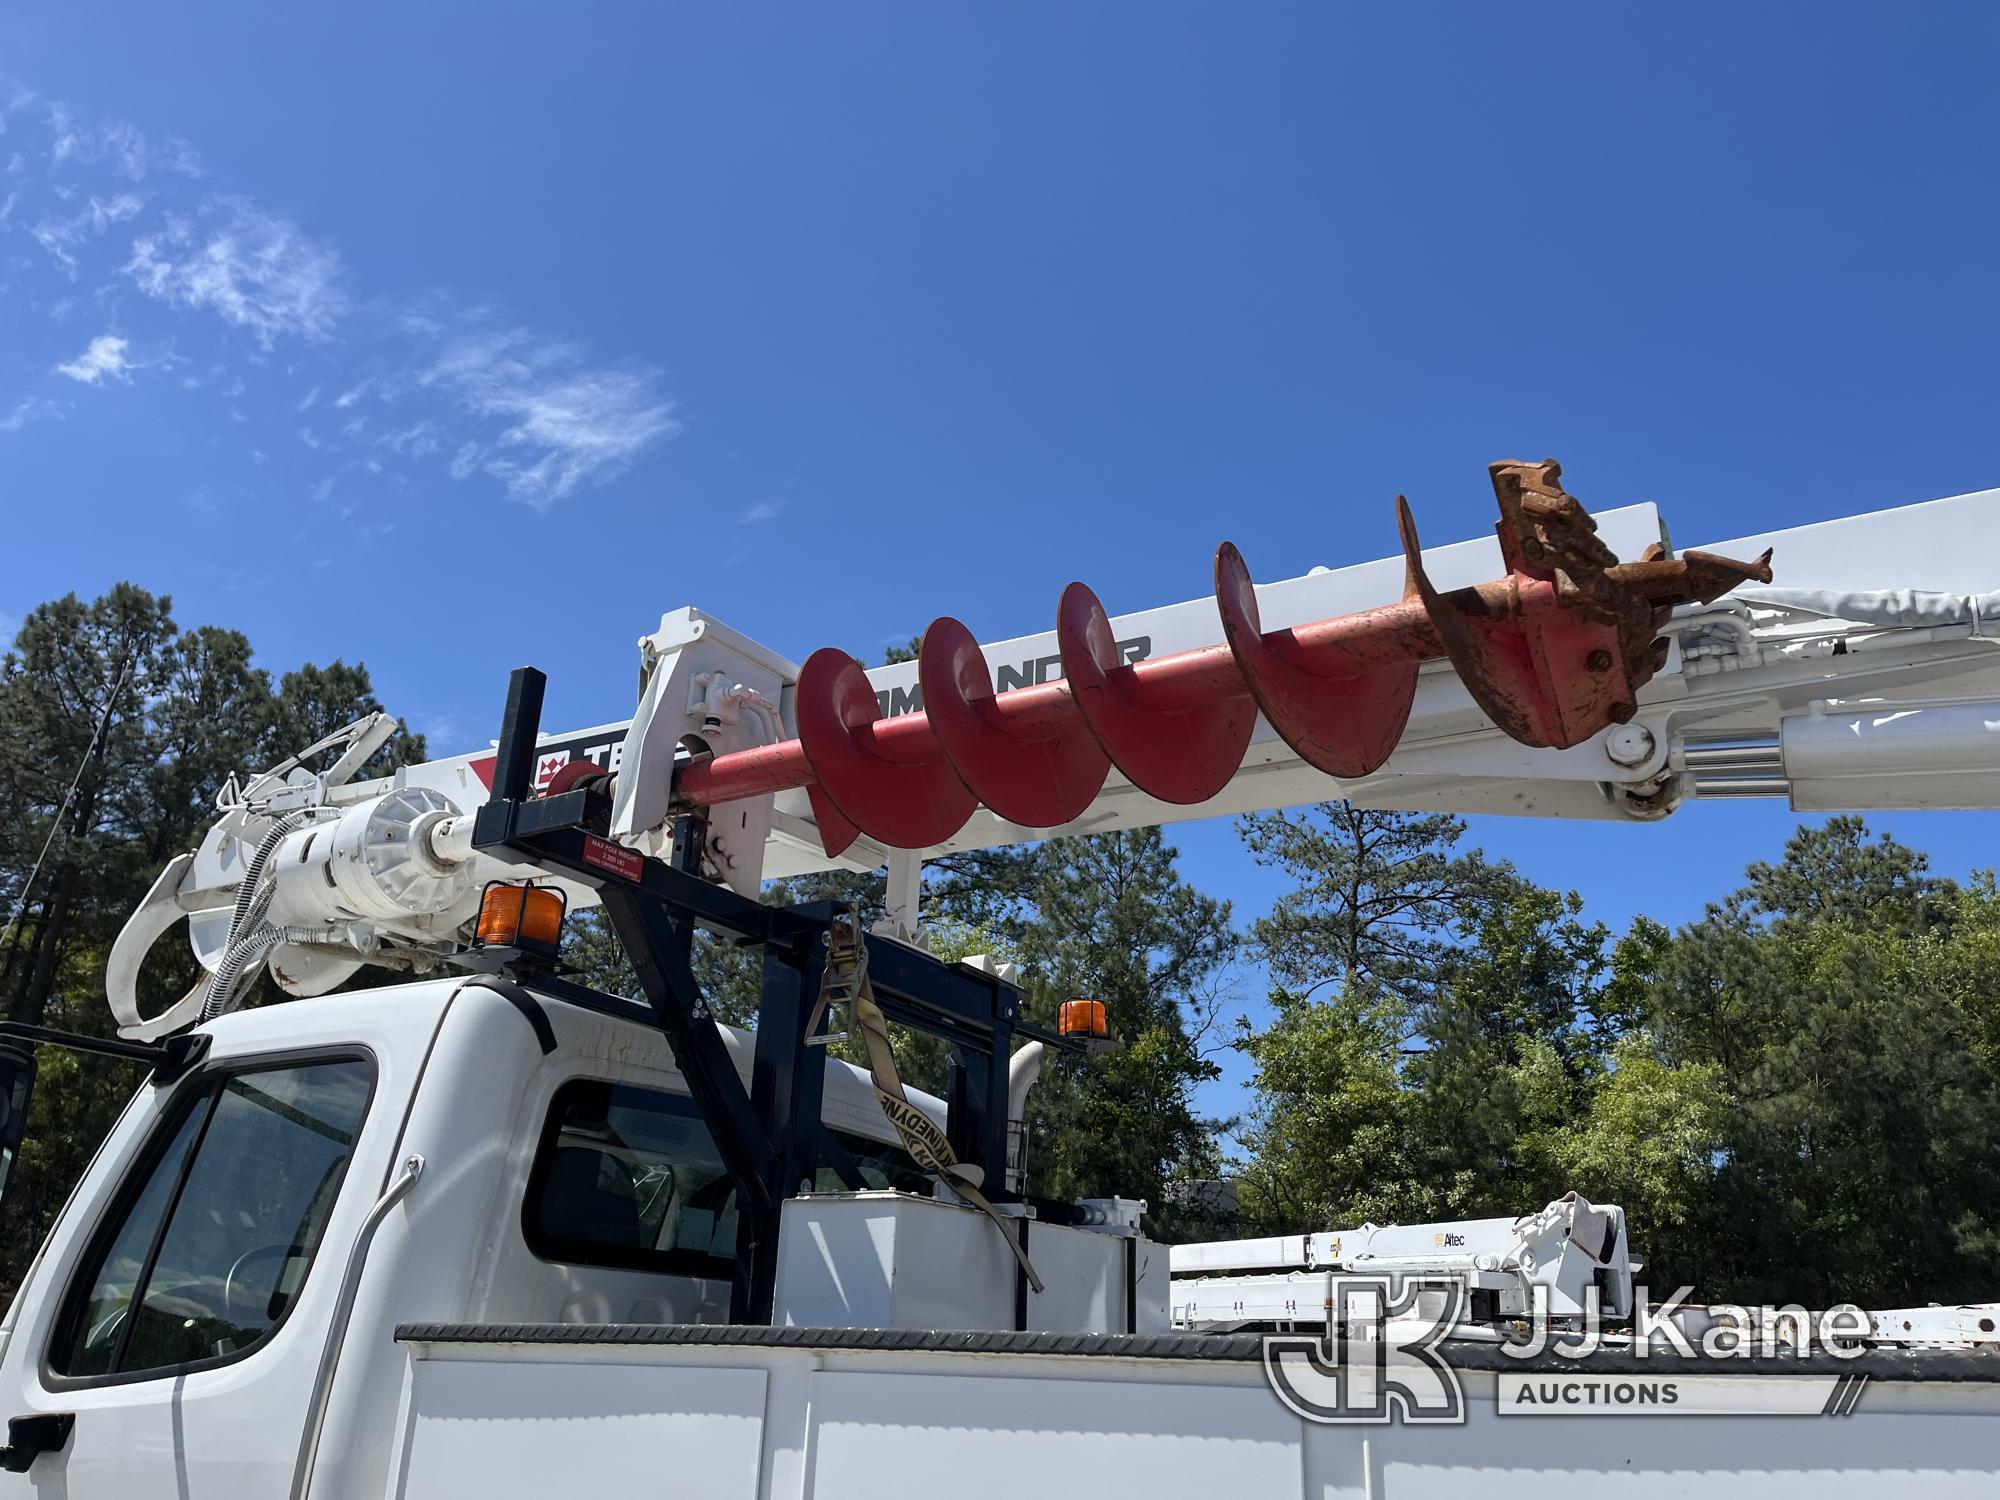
column 170, row 1331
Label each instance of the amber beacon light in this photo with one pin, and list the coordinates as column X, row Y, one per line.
column 528, row 917
column 1085, row 1020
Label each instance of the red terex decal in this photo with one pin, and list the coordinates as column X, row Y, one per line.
column 546, row 765
column 628, row 864
column 550, row 758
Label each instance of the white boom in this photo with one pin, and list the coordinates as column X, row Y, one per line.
column 1866, row 679
column 1551, row 1264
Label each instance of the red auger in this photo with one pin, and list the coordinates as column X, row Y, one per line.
column 1553, row 653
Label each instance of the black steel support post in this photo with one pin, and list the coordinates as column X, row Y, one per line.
column 650, row 939
column 976, row 1103
column 658, row 947
column 771, row 1136
column 787, row 1086
column 520, row 733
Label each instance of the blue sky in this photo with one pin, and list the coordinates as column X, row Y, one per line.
column 451, row 336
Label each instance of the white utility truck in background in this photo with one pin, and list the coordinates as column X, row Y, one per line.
column 493, row 1232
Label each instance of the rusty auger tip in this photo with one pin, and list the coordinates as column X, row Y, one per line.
column 1710, row 576
column 1558, row 649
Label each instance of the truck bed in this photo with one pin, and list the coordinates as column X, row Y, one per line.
column 729, row 1411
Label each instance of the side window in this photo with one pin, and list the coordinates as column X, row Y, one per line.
column 629, row 1177
column 212, row 1243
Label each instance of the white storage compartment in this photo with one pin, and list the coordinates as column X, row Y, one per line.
column 890, row 1260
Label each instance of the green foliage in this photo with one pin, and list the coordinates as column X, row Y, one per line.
column 1843, row 999
column 1376, row 895
column 1461, row 1033
column 1834, row 875
column 1325, row 1144
column 79, row 757
column 1794, row 1097
column 731, row 978
column 312, row 702
column 1109, row 917
column 117, row 729
column 1650, row 1139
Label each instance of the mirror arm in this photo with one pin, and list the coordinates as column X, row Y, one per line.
column 169, row 1059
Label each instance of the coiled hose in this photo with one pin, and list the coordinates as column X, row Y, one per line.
column 250, row 938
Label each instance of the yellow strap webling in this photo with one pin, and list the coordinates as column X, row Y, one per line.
column 845, row 982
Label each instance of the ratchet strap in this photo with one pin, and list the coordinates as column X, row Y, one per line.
column 844, row 981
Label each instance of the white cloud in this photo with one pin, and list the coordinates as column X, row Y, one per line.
column 17, row 96
column 65, row 139
column 448, row 383
column 126, row 148
column 61, row 237
column 419, row 440
column 74, row 143
column 26, row 411
column 254, row 270
column 761, row 512
column 104, row 360
column 178, row 157
column 564, row 423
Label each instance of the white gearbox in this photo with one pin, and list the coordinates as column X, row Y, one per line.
column 363, row 876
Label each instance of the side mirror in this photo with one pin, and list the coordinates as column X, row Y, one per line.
column 17, row 1087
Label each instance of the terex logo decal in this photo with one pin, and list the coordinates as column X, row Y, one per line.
column 550, row 759
column 890, row 702
column 546, row 767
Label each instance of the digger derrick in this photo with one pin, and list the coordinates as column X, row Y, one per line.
column 1553, row 652
column 1835, row 693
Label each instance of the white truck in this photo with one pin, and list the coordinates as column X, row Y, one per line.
column 496, row 1233
column 539, row 1309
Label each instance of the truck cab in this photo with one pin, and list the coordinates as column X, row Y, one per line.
column 215, row 1305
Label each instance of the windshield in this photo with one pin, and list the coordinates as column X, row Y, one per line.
column 220, row 1225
